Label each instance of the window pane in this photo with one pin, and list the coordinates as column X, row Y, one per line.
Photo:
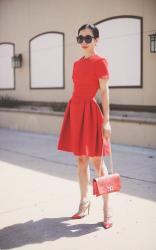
column 46, row 53
column 6, row 70
column 120, row 43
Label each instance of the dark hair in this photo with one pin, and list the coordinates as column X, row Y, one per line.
column 92, row 27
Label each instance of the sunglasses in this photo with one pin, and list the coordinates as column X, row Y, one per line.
column 87, row 39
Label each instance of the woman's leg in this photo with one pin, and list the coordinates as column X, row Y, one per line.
column 99, row 164
column 83, row 176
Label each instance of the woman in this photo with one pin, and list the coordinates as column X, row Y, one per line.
column 85, row 130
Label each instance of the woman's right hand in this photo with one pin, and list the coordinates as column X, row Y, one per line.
column 107, row 130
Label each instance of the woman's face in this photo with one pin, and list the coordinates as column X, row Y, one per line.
column 88, row 46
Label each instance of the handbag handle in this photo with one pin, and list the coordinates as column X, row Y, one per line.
column 110, row 159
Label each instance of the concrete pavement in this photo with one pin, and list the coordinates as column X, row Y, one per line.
column 39, row 193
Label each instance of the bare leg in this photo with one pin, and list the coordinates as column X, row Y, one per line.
column 83, row 176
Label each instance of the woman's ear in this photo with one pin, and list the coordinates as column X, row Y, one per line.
column 96, row 40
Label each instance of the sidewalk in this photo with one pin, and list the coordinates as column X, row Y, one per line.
column 39, row 193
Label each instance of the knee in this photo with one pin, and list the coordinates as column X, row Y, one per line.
column 81, row 159
column 82, row 162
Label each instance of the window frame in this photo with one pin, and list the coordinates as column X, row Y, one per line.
column 14, row 76
column 140, row 85
column 63, row 66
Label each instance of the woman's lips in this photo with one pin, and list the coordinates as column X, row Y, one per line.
column 84, row 46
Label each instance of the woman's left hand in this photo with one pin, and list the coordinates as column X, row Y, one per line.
column 107, row 130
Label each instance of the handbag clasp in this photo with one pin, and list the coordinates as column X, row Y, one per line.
column 110, row 188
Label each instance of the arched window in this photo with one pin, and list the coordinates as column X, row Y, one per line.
column 47, row 60
column 7, row 73
column 121, row 43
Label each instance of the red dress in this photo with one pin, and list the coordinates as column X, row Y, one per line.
column 81, row 131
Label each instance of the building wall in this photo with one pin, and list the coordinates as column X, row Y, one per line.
column 22, row 20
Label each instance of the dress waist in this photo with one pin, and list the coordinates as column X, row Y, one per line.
column 82, row 97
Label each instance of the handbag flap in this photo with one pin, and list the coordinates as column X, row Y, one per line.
column 109, row 183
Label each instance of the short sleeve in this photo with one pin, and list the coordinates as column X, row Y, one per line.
column 73, row 71
column 102, row 69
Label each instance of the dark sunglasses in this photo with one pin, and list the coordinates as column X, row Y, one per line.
column 87, row 39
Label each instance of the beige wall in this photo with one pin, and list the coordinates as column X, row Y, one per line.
column 21, row 20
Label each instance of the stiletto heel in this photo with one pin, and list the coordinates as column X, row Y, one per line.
column 84, row 209
column 107, row 222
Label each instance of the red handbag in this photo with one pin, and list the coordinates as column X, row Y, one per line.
column 107, row 183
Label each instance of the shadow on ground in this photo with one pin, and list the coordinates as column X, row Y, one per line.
column 48, row 229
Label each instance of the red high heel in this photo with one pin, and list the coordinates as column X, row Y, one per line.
column 83, row 208
column 107, row 222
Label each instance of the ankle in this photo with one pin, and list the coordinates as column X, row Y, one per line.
column 84, row 200
column 107, row 213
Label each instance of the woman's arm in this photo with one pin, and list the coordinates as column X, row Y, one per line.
column 104, row 91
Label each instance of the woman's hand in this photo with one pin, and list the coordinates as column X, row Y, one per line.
column 107, row 130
